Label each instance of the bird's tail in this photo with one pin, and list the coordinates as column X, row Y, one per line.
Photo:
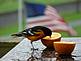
column 17, row 35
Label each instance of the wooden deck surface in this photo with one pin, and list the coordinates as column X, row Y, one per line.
column 23, row 51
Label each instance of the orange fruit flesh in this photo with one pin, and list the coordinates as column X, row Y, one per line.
column 54, row 35
column 48, row 41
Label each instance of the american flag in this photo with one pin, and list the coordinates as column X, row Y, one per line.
column 45, row 15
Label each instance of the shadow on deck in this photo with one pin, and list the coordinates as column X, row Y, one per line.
column 6, row 47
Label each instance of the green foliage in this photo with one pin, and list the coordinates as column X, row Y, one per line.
column 12, row 5
column 78, row 30
column 71, row 16
column 52, row 2
column 8, row 5
column 8, row 30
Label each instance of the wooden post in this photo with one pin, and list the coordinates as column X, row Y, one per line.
column 20, row 21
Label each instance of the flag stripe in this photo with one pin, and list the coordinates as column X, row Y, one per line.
column 51, row 11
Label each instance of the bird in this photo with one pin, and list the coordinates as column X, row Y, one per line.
column 34, row 33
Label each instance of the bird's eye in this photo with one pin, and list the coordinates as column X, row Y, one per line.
column 30, row 32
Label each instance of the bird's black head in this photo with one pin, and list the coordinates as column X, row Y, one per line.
column 47, row 31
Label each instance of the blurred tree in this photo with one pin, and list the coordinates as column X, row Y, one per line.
column 49, row 1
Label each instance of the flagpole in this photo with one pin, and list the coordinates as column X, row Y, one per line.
column 20, row 25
